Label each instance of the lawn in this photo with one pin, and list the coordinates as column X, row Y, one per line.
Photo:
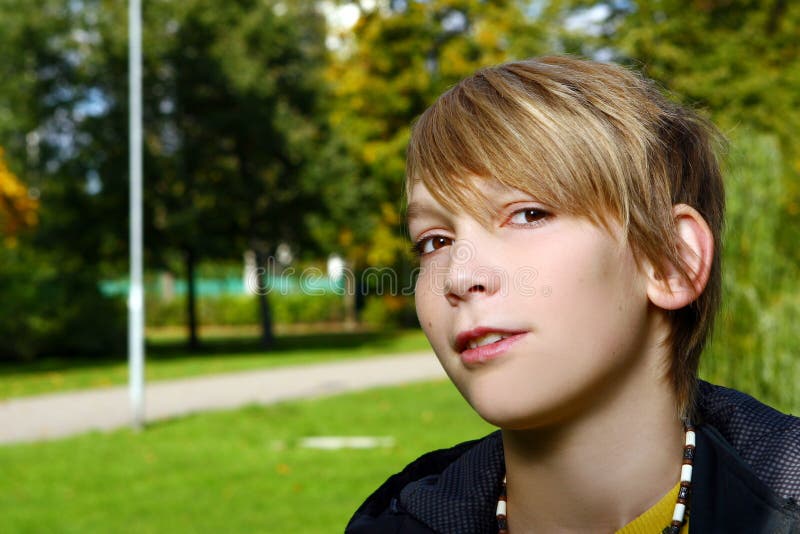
column 236, row 471
column 167, row 358
column 239, row 471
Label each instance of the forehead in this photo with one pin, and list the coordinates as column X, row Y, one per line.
column 478, row 198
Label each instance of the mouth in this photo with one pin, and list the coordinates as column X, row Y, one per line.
column 481, row 337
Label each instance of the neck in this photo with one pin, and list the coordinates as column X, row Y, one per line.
column 599, row 471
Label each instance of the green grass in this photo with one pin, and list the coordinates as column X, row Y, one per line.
column 240, row 471
column 167, row 358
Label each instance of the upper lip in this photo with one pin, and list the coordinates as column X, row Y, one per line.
column 463, row 338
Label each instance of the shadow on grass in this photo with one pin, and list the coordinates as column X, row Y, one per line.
column 283, row 343
column 175, row 349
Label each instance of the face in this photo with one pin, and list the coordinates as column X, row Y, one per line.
column 534, row 316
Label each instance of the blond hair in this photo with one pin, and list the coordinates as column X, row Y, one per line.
column 589, row 139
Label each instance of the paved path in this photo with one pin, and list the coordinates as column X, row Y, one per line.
column 62, row 414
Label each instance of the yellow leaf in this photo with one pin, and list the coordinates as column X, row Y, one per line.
column 18, row 210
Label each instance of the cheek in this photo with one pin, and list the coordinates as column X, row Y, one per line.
column 425, row 302
column 606, row 303
column 593, row 287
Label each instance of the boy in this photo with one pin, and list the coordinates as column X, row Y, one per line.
column 566, row 217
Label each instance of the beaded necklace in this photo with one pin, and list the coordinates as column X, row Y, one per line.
column 680, row 506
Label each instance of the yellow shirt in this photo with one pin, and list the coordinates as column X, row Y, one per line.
column 654, row 519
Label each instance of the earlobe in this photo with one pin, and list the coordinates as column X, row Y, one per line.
column 696, row 250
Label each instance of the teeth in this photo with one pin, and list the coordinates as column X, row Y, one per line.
column 485, row 339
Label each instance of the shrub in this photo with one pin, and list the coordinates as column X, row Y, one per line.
column 755, row 340
column 243, row 309
column 53, row 306
column 389, row 311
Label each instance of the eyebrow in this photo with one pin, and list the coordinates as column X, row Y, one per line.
column 416, row 210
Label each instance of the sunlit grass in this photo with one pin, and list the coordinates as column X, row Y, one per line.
column 240, row 471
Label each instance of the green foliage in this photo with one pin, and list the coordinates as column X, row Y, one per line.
column 293, row 308
column 232, row 99
column 755, row 341
column 53, row 306
column 227, row 310
column 233, row 109
column 739, row 59
column 231, row 94
column 392, row 311
column 299, row 308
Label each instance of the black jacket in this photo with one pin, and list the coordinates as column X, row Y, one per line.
column 746, row 478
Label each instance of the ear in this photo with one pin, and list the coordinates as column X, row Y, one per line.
column 696, row 249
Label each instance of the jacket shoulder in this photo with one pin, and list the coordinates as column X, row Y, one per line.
column 381, row 511
column 767, row 440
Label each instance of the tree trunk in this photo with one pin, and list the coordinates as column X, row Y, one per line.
column 260, row 248
column 267, row 334
column 191, row 304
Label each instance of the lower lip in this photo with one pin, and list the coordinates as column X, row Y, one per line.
column 491, row 351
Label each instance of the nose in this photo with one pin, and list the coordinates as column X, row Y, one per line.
column 471, row 274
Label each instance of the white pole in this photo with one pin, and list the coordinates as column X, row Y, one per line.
column 136, row 291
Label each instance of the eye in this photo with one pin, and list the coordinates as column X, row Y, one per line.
column 429, row 244
column 528, row 217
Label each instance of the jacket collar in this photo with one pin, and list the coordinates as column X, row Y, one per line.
column 726, row 495
column 463, row 497
column 764, row 439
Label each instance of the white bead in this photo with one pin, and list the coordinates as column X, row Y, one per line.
column 501, row 508
column 686, row 473
column 690, row 438
column 677, row 515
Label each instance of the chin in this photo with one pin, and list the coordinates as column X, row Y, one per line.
column 518, row 406
column 509, row 413
column 514, row 421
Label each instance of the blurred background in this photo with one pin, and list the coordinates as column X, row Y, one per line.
column 274, row 138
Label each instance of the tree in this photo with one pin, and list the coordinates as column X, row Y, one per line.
column 49, row 278
column 230, row 100
column 231, row 94
column 393, row 63
column 244, row 88
column 736, row 58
